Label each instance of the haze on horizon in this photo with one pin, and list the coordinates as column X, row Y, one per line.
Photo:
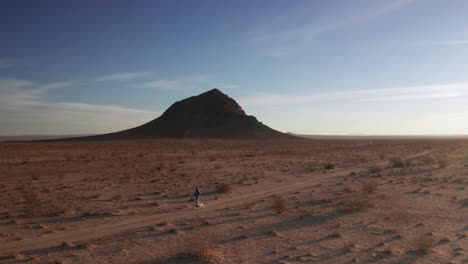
column 382, row 67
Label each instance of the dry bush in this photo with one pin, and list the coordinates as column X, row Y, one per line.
column 370, row 186
column 85, row 245
column 59, row 203
column 17, row 255
column 427, row 159
column 375, row 168
column 33, row 204
column 279, row 204
column 356, row 202
column 67, row 244
column 381, row 156
column 224, row 188
column 442, row 162
column 329, row 166
column 396, row 162
column 117, row 197
column 310, row 168
column 201, row 246
column 424, row 243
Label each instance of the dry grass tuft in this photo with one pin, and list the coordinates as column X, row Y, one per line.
column 274, row 233
column 201, row 246
column 17, row 256
column 279, row 204
column 86, row 245
column 427, row 159
column 396, row 162
column 32, row 202
column 424, row 243
column 370, row 186
column 356, row 202
column 67, row 244
column 442, row 162
column 375, row 168
column 329, row 166
column 117, row 197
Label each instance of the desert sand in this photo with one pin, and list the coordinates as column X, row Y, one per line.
column 266, row 201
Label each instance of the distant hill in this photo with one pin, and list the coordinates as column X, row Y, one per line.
column 209, row 115
column 37, row 137
column 375, row 137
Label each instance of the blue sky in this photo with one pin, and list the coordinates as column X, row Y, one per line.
column 311, row 67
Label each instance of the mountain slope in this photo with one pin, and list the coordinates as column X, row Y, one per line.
column 209, row 115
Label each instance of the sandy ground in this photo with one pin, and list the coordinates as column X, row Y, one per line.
column 296, row 201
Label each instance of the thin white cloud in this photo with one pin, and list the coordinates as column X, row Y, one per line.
column 423, row 92
column 24, row 109
column 4, row 63
column 122, row 76
column 181, row 83
column 295, row 29
column 450, row 43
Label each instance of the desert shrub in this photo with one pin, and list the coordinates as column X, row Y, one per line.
column 329, row 166
column 59, row 203
column 356, row 202
column 427, row 159
column 370, row 186
column 17, row 255
column 279, row 204
column 310, row 168
column 201, row 246
column 381, row 156
column 442, row 162
column 33, row 204
column 424, row 243
column 396, row 162
column 85, row 245
column 248, row 155
column 224, row 188
column 375, row 168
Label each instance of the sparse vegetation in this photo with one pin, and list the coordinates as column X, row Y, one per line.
column 17, row 255
column 424, row 243
column 202, row 247
column 32, row 202
column 427, row 159
column 329, row 166
column 397, row 162
column 370, row 186
column 279, row 204
column 224, row 188
column 86, row 245
column 442, row 162
column 375, row 168
column 355, row 202
column 325, row 205
column 67, row 244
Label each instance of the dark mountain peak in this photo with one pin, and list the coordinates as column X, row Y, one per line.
column 210, row 103
column 211, row 114
column 214, row 91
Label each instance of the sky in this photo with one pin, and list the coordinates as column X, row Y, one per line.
column 334, row 67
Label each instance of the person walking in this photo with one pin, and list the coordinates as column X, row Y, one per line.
column 197, row 196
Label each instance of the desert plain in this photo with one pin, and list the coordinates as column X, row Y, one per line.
column 266, row 201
